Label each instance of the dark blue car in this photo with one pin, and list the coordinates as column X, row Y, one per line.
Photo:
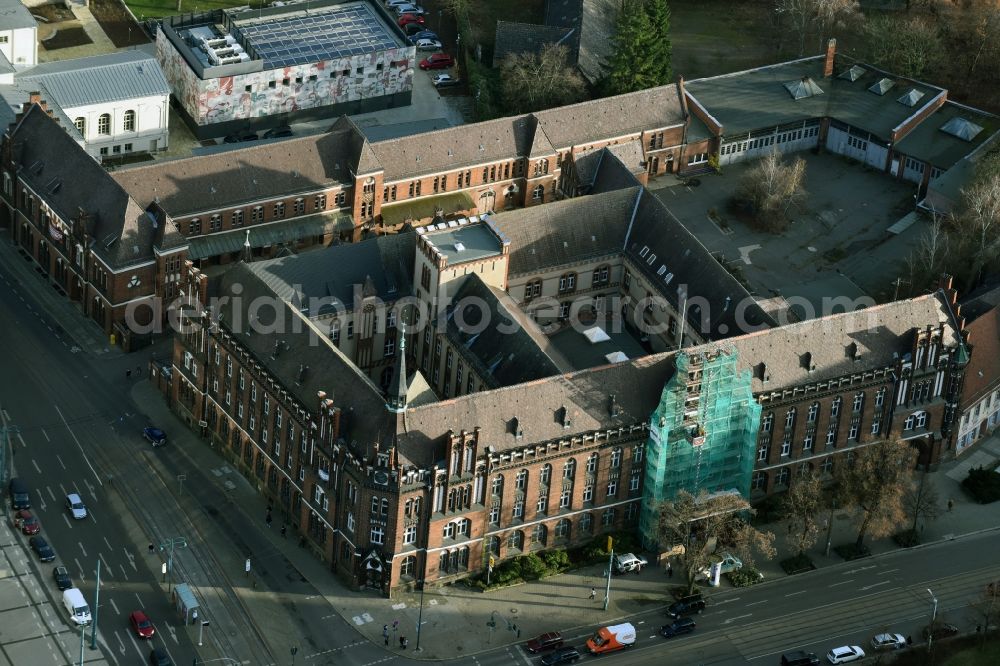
column 155, row 436
column 42, row 549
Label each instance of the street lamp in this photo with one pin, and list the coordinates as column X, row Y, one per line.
column 930, row 632
column 174, row 542
column 420, row 615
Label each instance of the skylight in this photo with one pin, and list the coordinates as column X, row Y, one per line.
column 911, row 98
column 962, row 128
column 852, row 73
column 803, row 88
column 881, row 86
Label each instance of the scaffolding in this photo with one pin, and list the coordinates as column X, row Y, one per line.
column 702, row 435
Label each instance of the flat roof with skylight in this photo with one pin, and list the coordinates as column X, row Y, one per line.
column 467, row 239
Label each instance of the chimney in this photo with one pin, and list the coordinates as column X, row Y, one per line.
column 831, row 52
column 680, row 95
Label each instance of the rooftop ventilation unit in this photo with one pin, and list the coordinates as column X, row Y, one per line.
column 459, row 247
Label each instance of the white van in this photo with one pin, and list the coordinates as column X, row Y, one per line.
column 78, row 609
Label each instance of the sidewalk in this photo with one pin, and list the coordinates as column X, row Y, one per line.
column 64, row 318
column 455, row 618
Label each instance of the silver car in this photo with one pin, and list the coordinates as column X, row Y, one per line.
column 888, row 641
column 75, row 506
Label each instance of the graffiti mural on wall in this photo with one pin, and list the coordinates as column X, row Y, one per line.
column 286, row 89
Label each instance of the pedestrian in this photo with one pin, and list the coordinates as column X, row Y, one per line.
column 670, row 570
column 151, row 548
column 386, row 637
column 979, row 628
column 283, row 530
column 267, row 520
column 593, row 593
column 909, row 640
column 402, row 642
column 951, row 504
column 128, row 374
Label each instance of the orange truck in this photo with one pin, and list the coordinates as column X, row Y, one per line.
column 612, row 638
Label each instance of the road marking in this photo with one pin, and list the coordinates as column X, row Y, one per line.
column 37, row 468
column 6, row 415
column 885, row 582
column 794, row 594
column 173, row 634
column 139, row 599
column 106, row 565
column 745, row 253
column 68, row 524
column 79, row 445
column 24, row 444
column 131, row 558
column 115, row 606
column 757, row 603
column 108, row 542
column 854, row 571
column 890, row 570
column 48, row 439
column 79, row 568
column 124, row 573
column 739, row 617
column 726, row 601
column 844, row 582
column 121, row 643
column 51, row 494
column 61, row 463
column 80, row 544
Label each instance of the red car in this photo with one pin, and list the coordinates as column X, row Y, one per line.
column 437, row 61
column 407, row 19
column 548, row 641
column 141, row 625
column 27, row 523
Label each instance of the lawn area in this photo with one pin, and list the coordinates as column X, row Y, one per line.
column 988, row 656
column 144, row 9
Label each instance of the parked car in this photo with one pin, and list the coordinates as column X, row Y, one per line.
column 727, row 563
column 940, row 630
column 627, row 562
column 396, row 3
column 420, row 33
column 42, row 548
column 25, row 521
column 75, row 506
column 141, row 625
column 278, row 132
column 446, row 81
column 888, row 641
column 437, row 61
column 154, row 436
column 242, row 135
column 682, row 625
column 548, row 641
column 799, row 658
column 61, row 576
column 158, row 657
column 428, row 45
column 845, row 654
column 407, row 19
column 408, row 8
column 686, row 606
column 566, row 655
column 415, row 29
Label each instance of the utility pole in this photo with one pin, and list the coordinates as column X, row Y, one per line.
column 97, row 599
column 930, row 632
column 83, row 633
column 607, row 591
column 179, row 542
column 897, row 283
column 420, row 616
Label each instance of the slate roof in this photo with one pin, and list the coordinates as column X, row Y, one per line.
column 596, row 31
column 123, row 233
column 364, row 418
column 109, row 77
column 385, row 263
column 197, row 184
column 561, row 232
column 655, row 231
column 16, row 15
column 536, row 405
column 497, row 339
column 758, row 98
column 878, row 333
column 613, row 174
column 462, row 146
column 929, row 143
column 982, row 374
column 610, row 117
column 514, row 38
column 566, row 14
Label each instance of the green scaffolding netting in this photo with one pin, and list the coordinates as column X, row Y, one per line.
column 702, row 435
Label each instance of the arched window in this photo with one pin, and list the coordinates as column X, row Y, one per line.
column 516, row 540
column 767, row 422
column 522, row 480
column 497, row 486
column 592, row 463
column 128, row 121
column 782, row 477
column 759, row 482
column 408, row 565
column 533, row 289
column 493, row 545
column 546, row 475
column 104, row 124
column 586, row 523
column 562, row 529
column 616, row 458
column 569, row 469
column 813, row 412
column 540, row 535
column 567, row 283
column 537, row 192
column 601, row 275
column 81, row 124
column 790, row 418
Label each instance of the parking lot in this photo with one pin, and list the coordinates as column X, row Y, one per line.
column 838, row 244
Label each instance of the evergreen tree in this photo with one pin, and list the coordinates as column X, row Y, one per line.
column 631, row 68
column 660, row 46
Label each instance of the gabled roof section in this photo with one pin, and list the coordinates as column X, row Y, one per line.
column 307, row 362
column 323, row 280
column 676, row 263
column 563, row 232
column 516, row 38
column 803, row 88
column 232, row 177
column 964, row 129
column 109, row 77
column 540, row 144
column 983, row 370
column 611, row 117
column 911, row 97
column 366, row 162
column 497, row 338
column 882, row 86
column 852, row 73
column 52, row 162
column 456, row 147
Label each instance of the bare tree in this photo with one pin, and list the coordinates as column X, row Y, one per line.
column 930, row 258
column 921, row 500
column 986, row 607
column 822, row 14
column 875, row 486
column 909, row 47
column 535, row 81
column 771, row 187
column 801, row 506
column 978, row 220
column 697, row 522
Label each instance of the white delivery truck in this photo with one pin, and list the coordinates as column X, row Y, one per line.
column 78, row 609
